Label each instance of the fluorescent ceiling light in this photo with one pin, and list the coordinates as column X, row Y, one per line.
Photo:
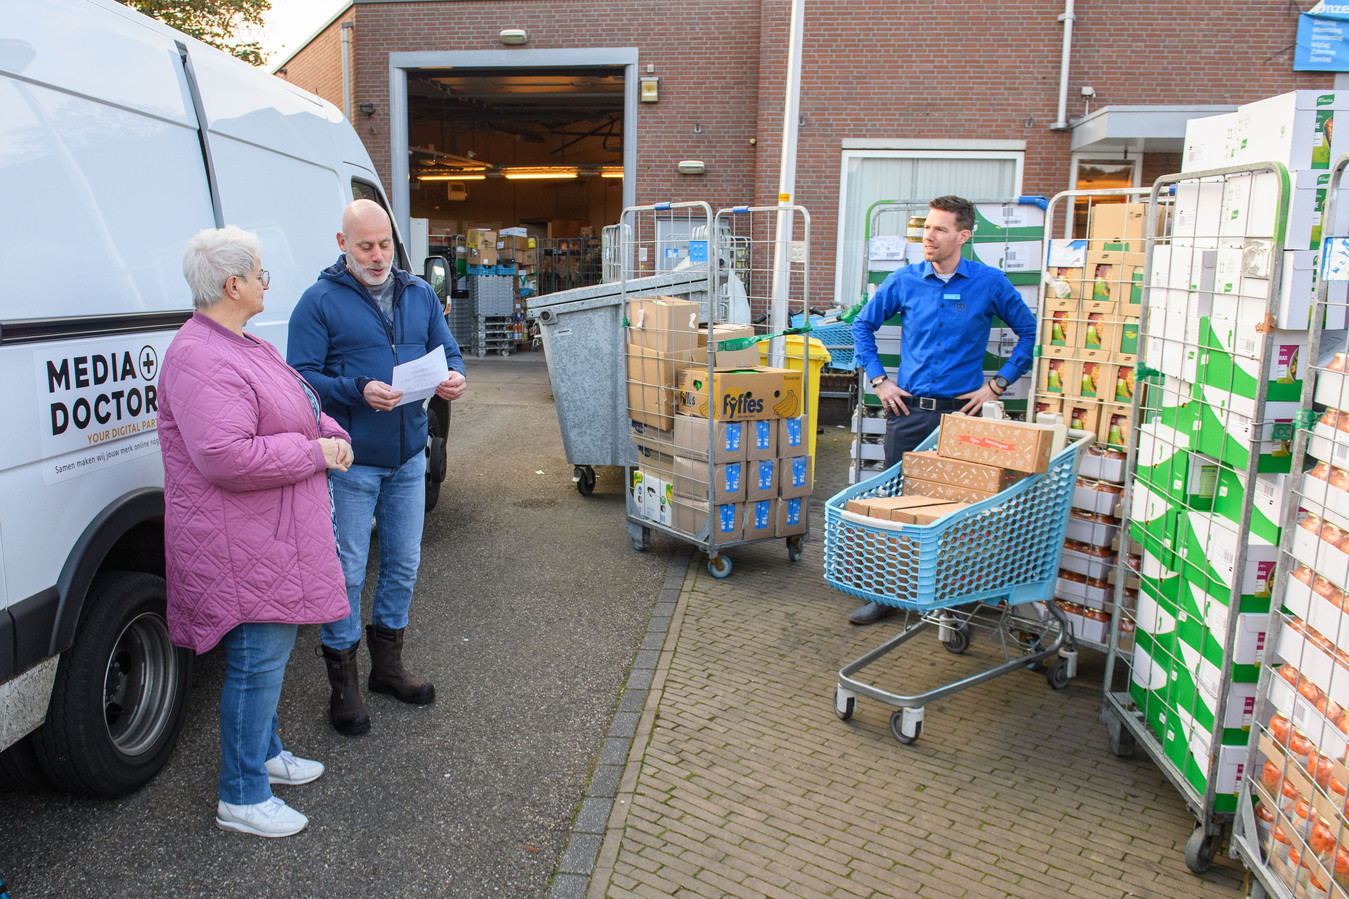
column 539, row 173
column 475, row 177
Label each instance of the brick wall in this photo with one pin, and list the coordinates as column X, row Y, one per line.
column 317, row 67
column 870, row 69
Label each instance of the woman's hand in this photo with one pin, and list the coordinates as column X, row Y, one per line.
column 337, row 453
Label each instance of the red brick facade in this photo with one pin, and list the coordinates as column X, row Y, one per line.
column 871, row 69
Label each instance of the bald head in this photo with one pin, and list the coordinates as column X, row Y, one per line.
column 367, row 240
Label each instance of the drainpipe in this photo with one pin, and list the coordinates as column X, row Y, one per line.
column 1061, row 123
column 791, row 112
column 346, row 69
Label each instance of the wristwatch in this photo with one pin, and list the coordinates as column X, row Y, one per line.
column 999, row 384
column 876, row 381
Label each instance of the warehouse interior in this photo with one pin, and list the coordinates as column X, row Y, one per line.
column 535, row 147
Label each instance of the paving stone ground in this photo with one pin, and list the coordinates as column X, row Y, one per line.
column 727, row 773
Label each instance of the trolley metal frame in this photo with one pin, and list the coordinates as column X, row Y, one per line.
column 956, row 610
column 1125, row 723
column 737, row 243
column 1245, row 843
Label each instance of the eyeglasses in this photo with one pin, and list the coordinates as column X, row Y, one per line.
column 263, row 275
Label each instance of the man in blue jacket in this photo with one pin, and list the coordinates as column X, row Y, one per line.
column 349, row 330
column 947, row 305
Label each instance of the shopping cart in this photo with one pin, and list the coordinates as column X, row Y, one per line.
column 976, row 569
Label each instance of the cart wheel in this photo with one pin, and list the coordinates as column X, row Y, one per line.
column 718, row 566
column 1057, row 674
column 1200, row 850
column 844, row 704
column 585, row 479
column 960, row 639
column 897, row 728
column 794, row 549
column 504, row 351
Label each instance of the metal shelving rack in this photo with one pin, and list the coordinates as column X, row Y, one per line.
column 1216, row 253
column 1295, row 733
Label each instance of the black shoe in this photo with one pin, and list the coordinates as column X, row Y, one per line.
column 871, row 613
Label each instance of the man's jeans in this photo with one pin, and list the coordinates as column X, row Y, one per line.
column 255, row 663
column 396, row 499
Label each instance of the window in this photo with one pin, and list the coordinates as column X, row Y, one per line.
column 1098, row 174
column 899, row 170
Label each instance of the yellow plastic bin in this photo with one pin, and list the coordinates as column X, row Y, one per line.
column 817, row 358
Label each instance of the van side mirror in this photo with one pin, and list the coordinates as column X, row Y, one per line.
column 437, row 275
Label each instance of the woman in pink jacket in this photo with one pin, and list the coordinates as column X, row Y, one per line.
column 250, row 550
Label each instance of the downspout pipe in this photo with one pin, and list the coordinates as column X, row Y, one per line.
column 346, row 69
column 791, row 121
column 1068, row 18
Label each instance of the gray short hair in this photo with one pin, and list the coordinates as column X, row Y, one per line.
column 213, row 257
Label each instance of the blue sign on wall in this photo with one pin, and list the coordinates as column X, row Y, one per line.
column 1323, row 39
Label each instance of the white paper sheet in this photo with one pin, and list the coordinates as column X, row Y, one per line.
column 419, row 378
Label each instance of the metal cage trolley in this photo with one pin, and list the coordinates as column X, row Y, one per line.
column 723, row 436
column 971, row 569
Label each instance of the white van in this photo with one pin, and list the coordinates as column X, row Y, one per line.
column 120, row 139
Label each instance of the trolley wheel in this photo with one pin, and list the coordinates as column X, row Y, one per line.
column 1057, row 674
column 643, row 543
column 960, row 639
column 844, row 706
column 1200, row 850
column 794, row 546
column 585, row 479
column 504, row 351
column 897, row 728
column 718, row 566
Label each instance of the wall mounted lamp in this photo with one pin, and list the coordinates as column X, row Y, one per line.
column 513, row 37
column 692, row 167
column 365, row 109
column 650, row 88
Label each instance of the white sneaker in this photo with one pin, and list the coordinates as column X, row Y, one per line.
column 272, row 818
column 287, row 769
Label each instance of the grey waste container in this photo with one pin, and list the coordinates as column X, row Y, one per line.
column 582, row 332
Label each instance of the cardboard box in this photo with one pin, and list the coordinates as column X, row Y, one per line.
column 1126, row 332
column 1047, row 407
column 727, row 480
column 1093, row 380
column 720, row 523
column 651, row 386
column 939, row 492
column 1097, row 339
column 1120, row 384
column 1113, row 223
column 744, row 395
column 792, row 439
column 791, row 516
column 928, row 465
column 664, row 324
column 1007, row 256
column 1293, row 128
column 690, row 438
column 927, row 514
column 650, row 437
column 795, row 477
column 761, row 439
column 1116, row 424
column 761, row 519
column 654, row 495
column 1056, row 376
column 1081, row 414
column 1063, row 288
column 724, row 357
column 885, row 508
column 761, row 479
column 1058, row 333
column 527, row 257
column 1001, row 444
column 482, row 247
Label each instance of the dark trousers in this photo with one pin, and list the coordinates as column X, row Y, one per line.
column 905, row 432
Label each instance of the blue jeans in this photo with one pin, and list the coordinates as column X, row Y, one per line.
column 396, row 499
column 255, row 663
column 904, row 432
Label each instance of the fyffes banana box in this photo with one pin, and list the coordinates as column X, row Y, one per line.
column 743, row 395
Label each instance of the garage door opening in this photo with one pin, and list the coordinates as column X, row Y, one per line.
column 540, row 148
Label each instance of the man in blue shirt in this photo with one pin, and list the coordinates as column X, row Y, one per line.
column 947, row 304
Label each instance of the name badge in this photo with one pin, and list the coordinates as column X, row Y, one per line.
column 950, row 296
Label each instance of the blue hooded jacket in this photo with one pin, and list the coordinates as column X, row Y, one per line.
column 338, row 337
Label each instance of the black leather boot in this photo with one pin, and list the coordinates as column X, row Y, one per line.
column 388, row 674
column 346, row 711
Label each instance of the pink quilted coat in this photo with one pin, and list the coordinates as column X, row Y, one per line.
column 248, row 528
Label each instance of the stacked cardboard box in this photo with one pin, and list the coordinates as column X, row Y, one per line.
column 726, row 445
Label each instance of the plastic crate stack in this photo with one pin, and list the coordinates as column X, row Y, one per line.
column 491, row 302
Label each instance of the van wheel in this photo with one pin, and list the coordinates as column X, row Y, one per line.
column 120, row 696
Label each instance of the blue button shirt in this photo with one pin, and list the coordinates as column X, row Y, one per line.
column 945, row 327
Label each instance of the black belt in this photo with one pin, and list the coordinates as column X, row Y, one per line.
column 935, row 403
